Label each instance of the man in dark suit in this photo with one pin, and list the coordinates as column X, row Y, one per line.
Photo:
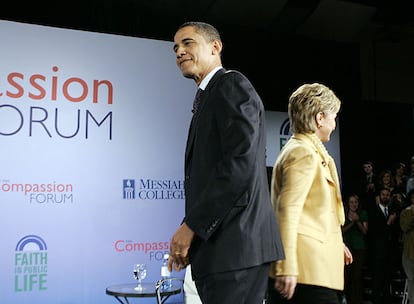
column 229, row 233
column 382, row 221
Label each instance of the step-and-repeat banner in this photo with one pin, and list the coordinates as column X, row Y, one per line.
column 92, row 132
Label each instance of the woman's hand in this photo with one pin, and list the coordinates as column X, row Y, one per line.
column 285, row 285
column 348, row 259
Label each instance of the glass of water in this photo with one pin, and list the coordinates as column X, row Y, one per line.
column 140, row 272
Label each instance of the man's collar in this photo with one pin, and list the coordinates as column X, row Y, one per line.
column 210, row 75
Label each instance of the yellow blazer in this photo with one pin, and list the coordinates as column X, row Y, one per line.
column 307, row 202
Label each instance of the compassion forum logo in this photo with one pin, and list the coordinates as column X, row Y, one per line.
column 30, row 264
column 40, row 193
column 153, row 189
column 85, row 97
column 154, row 250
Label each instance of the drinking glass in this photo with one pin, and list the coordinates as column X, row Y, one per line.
column 140, row 272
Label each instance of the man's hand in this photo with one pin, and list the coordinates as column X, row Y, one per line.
column 180, row 243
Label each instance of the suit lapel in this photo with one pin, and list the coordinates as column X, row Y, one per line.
column 193, row 125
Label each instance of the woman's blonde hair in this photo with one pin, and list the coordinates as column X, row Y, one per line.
column 307, row 101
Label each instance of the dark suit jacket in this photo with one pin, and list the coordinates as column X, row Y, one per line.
column 381, row 236
column 227, row 197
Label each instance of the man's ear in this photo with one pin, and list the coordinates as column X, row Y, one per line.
column 217, row 47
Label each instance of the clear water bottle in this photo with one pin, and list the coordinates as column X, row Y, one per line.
column 165, row 273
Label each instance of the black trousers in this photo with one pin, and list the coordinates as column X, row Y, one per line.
column 304, row 294
column 245, row 286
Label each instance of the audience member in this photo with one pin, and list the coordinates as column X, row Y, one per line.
column 410, row 179
column 354, row 232
column 307, row 202
column 367, row 184
column 385, row 180
column 382, row 246
column 399, row 177
column 407, row 227
column 398, row 199
column 398, row 203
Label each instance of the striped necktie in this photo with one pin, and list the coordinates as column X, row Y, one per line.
column 196, row 102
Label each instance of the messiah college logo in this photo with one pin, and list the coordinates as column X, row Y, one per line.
column 153, row 189
column 30, row 264
column 128, row 189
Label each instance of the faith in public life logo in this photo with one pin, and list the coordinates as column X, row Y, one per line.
column 30, row 264
column 129, row 189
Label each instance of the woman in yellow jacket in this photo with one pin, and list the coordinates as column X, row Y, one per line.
column 307, row 201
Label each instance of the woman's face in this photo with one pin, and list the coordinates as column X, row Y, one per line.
column 326, row 125
column 353, row 203
column 386, row 179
